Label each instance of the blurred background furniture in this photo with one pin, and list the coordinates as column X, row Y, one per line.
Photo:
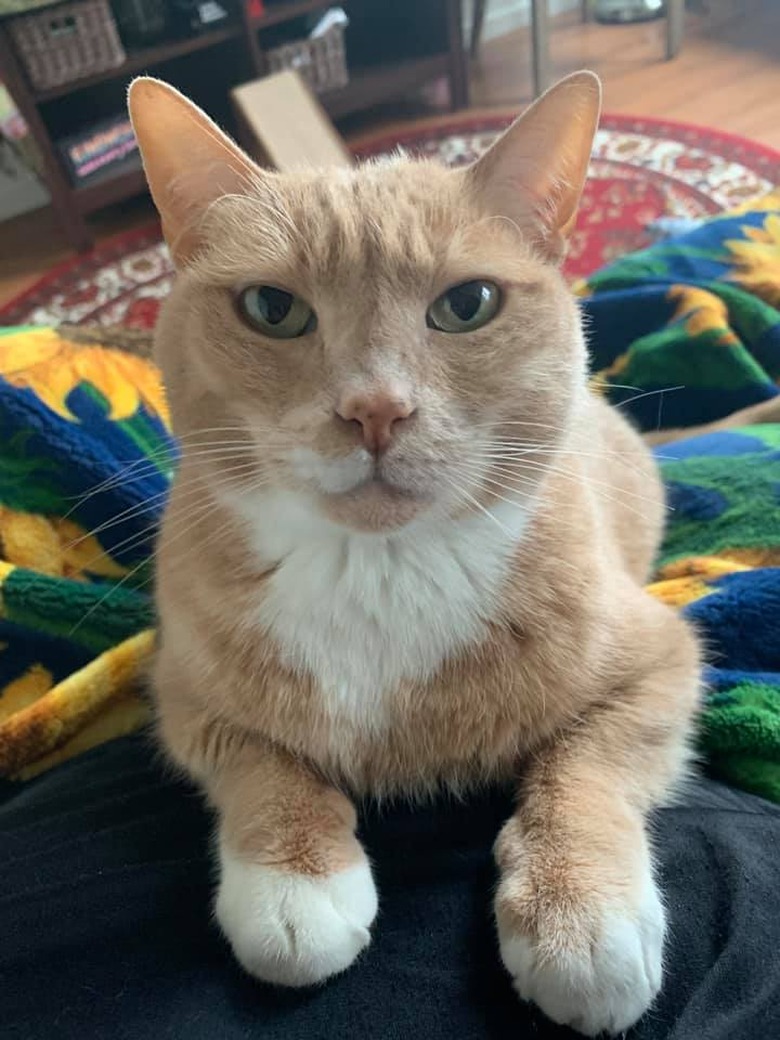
column 390, row 50
column 540, row 33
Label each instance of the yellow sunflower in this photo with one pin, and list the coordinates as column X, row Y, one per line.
column 766, row 203
column 757, row 259
column 42, row 361
column 684, row 581
column 59, row 548
column 702, row 311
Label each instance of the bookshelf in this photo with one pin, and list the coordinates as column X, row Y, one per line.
column 239, row 45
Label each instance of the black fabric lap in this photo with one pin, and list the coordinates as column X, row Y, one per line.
column 105, row 886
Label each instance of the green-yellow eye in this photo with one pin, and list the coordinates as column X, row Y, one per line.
column 465, row 307
column 275, row 312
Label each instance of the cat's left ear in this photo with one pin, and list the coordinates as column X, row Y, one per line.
column 535, row 172
column 189, row 162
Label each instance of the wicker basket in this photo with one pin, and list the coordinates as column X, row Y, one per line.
column 66, row 42
column 322, row 61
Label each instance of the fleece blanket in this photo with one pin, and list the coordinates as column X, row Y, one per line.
column 682, row 333
column 688, row 331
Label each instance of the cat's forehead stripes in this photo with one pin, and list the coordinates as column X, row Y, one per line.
column 377, row 223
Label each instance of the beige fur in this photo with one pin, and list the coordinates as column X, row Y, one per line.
column 548, row 662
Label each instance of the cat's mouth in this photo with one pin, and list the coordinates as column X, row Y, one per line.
column 377, row 484
column 366, row 493
column 358, row 475
column 376, row 503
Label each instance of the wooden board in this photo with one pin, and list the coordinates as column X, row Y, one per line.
column 284, row 124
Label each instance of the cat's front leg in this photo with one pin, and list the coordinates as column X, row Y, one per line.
column 580, row 919
column 296, row 898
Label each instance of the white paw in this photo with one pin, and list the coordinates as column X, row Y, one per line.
column 290, row 929
column 603, row 984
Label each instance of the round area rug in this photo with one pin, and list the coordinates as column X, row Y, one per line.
column 642, row 170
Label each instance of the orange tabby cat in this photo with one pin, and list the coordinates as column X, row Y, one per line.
column 405, row 549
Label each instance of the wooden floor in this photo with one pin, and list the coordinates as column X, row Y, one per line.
column 727, row 76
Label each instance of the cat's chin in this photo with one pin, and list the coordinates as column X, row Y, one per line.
column 375, row 506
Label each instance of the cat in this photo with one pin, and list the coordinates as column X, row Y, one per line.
column 405, row 548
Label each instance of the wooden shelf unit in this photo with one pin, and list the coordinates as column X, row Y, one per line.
column 369, row 85
column 374, row 84
column 140, row 60
column 286, row 10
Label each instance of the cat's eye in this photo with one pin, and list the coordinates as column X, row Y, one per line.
column 275, row 312
column 464, row 307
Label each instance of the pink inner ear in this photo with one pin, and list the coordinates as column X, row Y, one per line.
column 534, row 174
column 189, row 162
column 535, row 213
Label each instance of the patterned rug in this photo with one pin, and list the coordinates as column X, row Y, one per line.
column 642, row 170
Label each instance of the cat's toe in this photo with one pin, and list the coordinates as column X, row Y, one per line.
column 600, row 978
column 291, row 929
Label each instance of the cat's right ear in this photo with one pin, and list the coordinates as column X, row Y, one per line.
column 189, row 162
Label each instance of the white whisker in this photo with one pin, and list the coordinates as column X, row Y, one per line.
column 141, row 507
column 468, row 497
column 648, row 393
column 109, row 592
column 139, row 537
column 585, row 479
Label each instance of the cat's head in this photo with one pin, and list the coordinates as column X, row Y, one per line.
column 384, row 342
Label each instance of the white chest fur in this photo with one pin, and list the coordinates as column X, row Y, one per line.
column 362, row 612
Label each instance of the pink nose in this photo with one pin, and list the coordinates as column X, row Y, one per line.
column 378, row 414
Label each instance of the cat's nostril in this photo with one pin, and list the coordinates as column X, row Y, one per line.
column 377, row 416
column 353, row 424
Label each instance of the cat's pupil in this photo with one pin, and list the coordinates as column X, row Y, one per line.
column 274, row 304
column 465, row 299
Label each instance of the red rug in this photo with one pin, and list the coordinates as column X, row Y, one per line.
column 642, row 169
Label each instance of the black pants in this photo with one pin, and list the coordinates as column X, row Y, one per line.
column 105, row 929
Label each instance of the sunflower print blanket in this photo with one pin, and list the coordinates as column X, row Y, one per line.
column 688, row 331
column 87, row 457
